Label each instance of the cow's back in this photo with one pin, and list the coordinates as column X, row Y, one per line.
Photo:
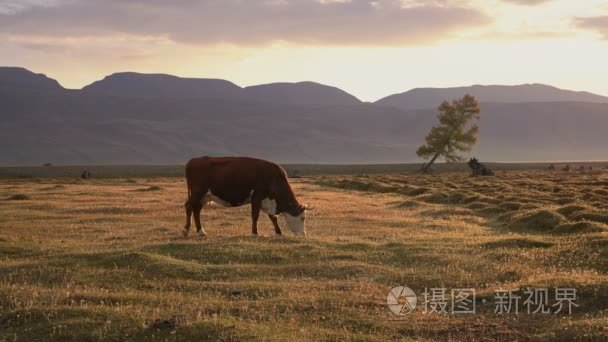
column 232, row 178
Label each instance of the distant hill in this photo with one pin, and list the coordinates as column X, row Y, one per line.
column 12, row 76
column 136, row 85
column 130, row 84
column 421, row 98
column 159, row 119
column 302, row 93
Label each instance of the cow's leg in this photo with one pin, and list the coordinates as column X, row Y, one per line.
column 188, row 207
column 275, row 223
column 255, row 214
column 197, row 206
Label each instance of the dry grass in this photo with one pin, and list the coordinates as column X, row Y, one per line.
column 104, row 259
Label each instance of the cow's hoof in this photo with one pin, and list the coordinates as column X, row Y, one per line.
column 255, row 235
column 185, row 232
column 201, row 234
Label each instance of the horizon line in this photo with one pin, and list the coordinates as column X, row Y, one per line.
column 304, row 81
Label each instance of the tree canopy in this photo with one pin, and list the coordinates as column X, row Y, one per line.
column 455, row 134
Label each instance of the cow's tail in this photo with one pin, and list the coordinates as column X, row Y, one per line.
column 188, row 185
column 189, row 193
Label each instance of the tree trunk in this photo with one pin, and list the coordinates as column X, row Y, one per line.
column 426, row 167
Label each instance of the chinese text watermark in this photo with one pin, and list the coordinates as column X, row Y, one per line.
column 402, row 300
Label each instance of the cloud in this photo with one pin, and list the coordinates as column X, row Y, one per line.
column 527, row 2
column 14, row 6
column 599, row 24
column 522, row 35
column 251, row 22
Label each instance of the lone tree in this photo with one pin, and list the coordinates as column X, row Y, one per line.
column 455, row 133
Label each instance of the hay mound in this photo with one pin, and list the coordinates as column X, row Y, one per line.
column 580, row 227
column 570, row 210
column 449, row 211
column 591, row 216
column 440, row 197
column 601, row 192
column 510, row 206
column 435, row 197
column 563, row 201
column 529, row 206
column 358, row 185
column 470, row 199
column 517, row 243
column 416, row 191
column 543, row 220
column 477, row 205
column 456, row 197
column 491, row 211
column 408, row 204
column 508, row 216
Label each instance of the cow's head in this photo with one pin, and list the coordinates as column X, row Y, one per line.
column 295, row 218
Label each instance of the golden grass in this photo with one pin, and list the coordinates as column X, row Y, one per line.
column 104, row 259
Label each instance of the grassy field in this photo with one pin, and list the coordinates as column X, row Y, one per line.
column 104, row 259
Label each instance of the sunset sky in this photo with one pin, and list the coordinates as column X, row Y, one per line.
column 368, row 48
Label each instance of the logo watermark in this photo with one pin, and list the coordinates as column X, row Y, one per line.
column 402, row 300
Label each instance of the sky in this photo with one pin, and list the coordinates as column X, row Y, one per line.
column 370, row 48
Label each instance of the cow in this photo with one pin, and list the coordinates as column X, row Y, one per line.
column 237, row 181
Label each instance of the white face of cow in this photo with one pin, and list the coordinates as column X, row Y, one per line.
column 296, row 223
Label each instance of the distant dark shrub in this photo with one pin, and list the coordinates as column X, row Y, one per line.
column 150, row 188
column 478, row 169
column 86, row 174
column 18, row 197
column 54, row 187
column 294, row 174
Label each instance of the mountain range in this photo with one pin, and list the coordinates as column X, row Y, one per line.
column 132, row 118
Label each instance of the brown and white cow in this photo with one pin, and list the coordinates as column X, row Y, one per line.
column 236, row 181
